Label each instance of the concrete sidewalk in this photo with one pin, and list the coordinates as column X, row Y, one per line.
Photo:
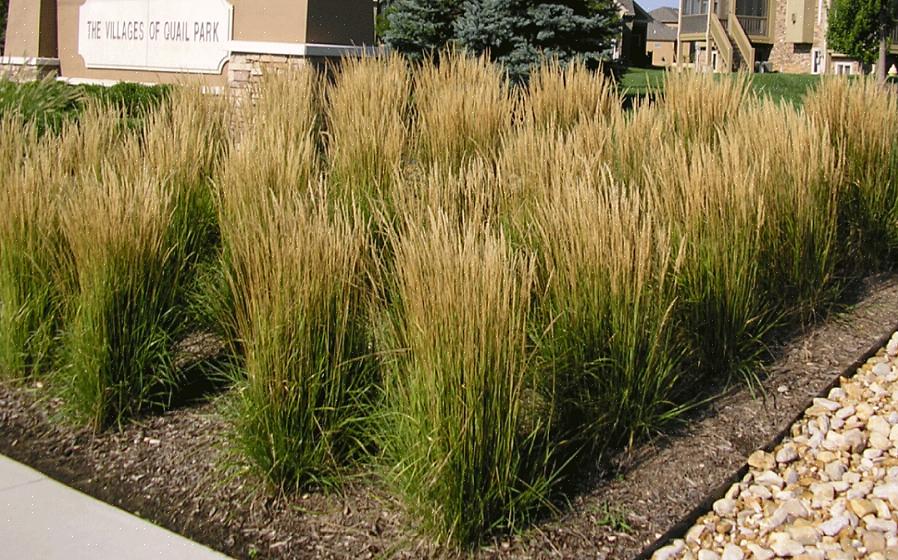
column 41, row 518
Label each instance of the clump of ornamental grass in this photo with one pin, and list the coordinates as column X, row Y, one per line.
column 463, row 107
column 29, row 245
column 275, row 153
column 115, row 354
column 713, row 206
column 298, row 277
column 697, row 103
column 367, row 125
column 559, row 96
column 608, row 355
column 636, row 137
column 869, row 208
column 85, row 143
column 799, row 179
column 184, row 141
column 464, row 447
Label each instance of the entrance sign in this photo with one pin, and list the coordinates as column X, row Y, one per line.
column 156, row 35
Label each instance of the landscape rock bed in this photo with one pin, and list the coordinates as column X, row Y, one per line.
column 173, row 469
column 829, row 490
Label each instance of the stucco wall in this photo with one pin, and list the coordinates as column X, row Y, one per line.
column 31, row 29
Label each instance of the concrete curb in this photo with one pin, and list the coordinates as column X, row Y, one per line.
column 42, row 518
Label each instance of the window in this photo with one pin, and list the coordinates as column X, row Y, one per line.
column 753, row 8
column 843, row 68
column 695, row 7
column 816, row 61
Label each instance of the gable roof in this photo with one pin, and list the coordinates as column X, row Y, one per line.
column 660, row 32
column 665, row 14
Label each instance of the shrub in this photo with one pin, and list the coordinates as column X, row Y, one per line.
column 46, row 103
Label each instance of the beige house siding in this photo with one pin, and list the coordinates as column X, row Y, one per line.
column 662, row 52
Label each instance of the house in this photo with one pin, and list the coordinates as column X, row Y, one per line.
column 629, row 47
column 661, row 37
column 759, row 35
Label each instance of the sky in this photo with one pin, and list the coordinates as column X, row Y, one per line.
column 649, row 5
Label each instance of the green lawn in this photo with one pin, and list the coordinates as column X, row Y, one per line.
column 780, row 87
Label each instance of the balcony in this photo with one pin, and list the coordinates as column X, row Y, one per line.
column 753, row 25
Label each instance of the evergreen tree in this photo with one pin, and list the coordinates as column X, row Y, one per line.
column 417, row 28
column 518, row 32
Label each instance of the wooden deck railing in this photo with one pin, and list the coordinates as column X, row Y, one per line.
column 724, row 47
column 741, row 38
column 753, row 25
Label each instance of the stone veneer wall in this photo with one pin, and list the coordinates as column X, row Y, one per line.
column 18, row 72
column 792, row 58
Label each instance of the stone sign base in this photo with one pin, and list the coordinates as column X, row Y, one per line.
column 21, row 69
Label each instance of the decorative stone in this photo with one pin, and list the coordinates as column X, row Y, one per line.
column 881, row 525
column 878, row 424
column 879, row 441
column 759, row 552
column 783, row 545
column 761, row 460
column 874, row 541
column 787, row 454
column 833, row 526
column 854, row 440
column 804, row 534
column 834, row 470
column 732, row 552
column 769, row 478
column 694, row 535
column 708, row 555
column 724, row 507
column 827, row 404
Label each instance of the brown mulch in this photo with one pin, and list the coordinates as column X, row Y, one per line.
column 174, row 469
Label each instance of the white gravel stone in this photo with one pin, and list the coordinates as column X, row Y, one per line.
column 833, row 526
column 827, row 404
column 708, row 555
column 732, row 552
column 759, row 552
column 724, row 507
column 787, row 454
column 880, row 525
column 834, row 470
column 769, row 478
column 783, row 545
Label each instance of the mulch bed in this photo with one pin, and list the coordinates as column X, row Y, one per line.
column 174, row 469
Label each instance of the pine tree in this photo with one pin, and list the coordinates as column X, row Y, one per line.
column 518, row 32
column 418, row 28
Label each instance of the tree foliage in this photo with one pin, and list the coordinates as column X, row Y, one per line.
column 855, row 27
column 417, row 28
column 516, row 33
